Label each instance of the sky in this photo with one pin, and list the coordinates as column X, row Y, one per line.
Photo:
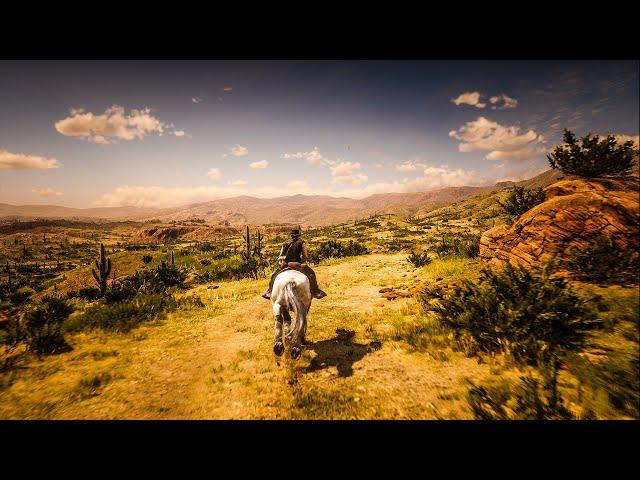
column 168, row 133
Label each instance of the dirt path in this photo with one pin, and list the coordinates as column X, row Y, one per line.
column 216, row 362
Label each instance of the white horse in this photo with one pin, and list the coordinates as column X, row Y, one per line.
column 291, row 292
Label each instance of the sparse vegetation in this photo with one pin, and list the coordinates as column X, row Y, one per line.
column 592, row 157
column 605, row 262
column 418, row 259
column 337, row 249
column 42, row 325
column 521, row 200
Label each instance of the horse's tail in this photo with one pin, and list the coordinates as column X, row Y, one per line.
column 293, row 300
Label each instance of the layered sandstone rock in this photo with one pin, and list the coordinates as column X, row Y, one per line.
column 575, row 213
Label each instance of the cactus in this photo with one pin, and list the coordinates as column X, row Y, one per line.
column 257, row 248
column 173, row 261
column 9, row 275
column 247, row 243
column 103, row 270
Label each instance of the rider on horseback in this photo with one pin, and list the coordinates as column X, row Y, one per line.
column 293, row 254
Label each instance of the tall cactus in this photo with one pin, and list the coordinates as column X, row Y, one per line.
column 104, row 269
column 173, row 261
column 9, row 275
column 257, row 248
column 247, row 243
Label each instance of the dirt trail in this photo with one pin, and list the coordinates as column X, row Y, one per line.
column 216, row 362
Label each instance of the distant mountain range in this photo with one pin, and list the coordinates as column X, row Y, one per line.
column 298, row 209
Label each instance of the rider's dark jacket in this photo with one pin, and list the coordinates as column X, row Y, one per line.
column 293, row 250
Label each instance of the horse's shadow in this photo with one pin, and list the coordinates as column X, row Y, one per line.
column 340, row 352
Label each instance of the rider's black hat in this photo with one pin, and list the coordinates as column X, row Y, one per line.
column 295, row 232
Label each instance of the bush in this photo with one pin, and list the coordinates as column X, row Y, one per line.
column 593, row 157
column 604, row 262
column 42, row 326
column 531, row 316
column 336, row 249
column 124, row 315
column 467, row 246
column 419, row 259
column 205, row 262
column 521, row 200
column 525, row 401
column 147, row 258
column 87, row 293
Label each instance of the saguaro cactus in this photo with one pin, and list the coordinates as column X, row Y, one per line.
column 173, row 262
column 247, row 243
column 9, row 275
column 257, row 249
column 104, row 269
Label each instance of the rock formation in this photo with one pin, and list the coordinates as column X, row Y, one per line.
column 574, row 213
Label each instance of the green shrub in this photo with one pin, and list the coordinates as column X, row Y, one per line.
column 521, row 200
column 604, row 262
column 528, row 315
column 42, row 325
column 87, row 293
column 419, row 259
column 525, row 401
column 205, row 262
column 124, row 315
column 467, row 246
column 592, row 157
column 618, row 376
column 147, row 258
column 336, row 249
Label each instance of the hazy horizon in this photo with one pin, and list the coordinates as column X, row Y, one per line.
column 88, row 134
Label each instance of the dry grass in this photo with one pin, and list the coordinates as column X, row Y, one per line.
column 216, row 362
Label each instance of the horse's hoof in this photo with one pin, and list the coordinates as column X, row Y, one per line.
column 278, row 349
column 295, row 352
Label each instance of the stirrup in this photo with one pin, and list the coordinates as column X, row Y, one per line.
column 266, row 295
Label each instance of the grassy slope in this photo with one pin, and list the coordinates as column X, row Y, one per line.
column 216, row 362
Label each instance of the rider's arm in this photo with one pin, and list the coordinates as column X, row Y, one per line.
column 281, row 257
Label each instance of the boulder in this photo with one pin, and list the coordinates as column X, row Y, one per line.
column 574, row 213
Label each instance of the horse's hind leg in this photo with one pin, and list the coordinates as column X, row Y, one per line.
column 278, row 345
column 287, row 322
column 298, row 335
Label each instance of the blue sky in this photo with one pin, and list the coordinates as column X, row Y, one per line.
column 161, row 133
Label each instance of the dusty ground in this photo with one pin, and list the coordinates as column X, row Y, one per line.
column 216, row 362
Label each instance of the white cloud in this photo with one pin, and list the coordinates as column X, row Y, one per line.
column 502, row 102
column 502, row 143
column 469, row 98
column 239, row 151
column 114, row 124
column 47, row 192
column 259, row 165
column 237, row 183
column 347, row 173
column 197, row 99
column 226, row 89
column 213, row 174
column 179, row 133
column 313, row 157
column 21, row 161
column 432, row 177
column 621, row 138
column 406, row 167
